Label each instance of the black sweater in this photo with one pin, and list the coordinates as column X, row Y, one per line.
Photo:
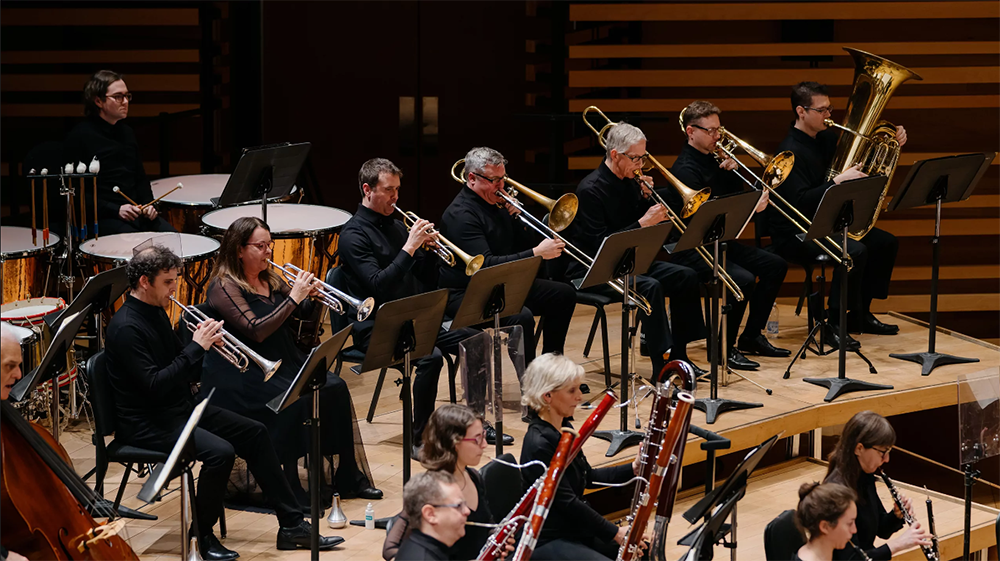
column 418, row 546
column 807, row 181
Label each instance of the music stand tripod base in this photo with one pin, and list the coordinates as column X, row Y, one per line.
column 930, row 361
column 714, row 406
column 838, row 386
column 619, row 440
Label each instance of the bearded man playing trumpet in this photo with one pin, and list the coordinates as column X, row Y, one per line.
column 380, row 259
column 874, row 256
column 698, row 168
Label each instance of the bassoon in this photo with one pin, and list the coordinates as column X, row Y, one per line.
column 540, row 510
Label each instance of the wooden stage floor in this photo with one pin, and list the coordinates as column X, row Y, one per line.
column 795, row 407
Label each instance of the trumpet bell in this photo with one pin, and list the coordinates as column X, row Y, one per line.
column 473, row 265
column 778, row 168
column 366, row 308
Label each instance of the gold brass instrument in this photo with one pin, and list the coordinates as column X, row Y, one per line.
column 232, row 349
column 869, row 141
column 550, row 232
column 445, row 249
column 329, row 296
column 692, row 201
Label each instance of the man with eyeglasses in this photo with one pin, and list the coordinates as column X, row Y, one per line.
column 611, row 200
column 434, row 500
column 697, row 167
column 874, row 256
column 106, row 101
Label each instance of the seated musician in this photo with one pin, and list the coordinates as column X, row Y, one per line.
column 435, row 500
column 826, row 513
column 154, row 379
column 106, row 101
column 862, row 450
column 453, row 443
column 256, row 305
column 481, row 227
column 573, row 529
column 382, row 261
column 874, row 256
column 612, row 201
column 10, row 373
column 697, row 168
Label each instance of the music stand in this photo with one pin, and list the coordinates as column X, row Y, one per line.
column 718, row 221
column 935, row 182
column 496, row 292
column 622, row 257
column 309, row 380
column 150, row 491
column 100, row 291
column 405, row 329
column 841, row 206
column 264, row 172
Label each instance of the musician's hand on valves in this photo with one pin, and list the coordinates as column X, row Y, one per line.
column 728, row 164
column 302, row 287
column 150, row 212
column 762, row 204
column 508, row 548
column 622, row 535
column 549, row 249
column 656, row 214
column 128, row 212
column 418, row 236
column 853, row 172
column 208, row 333
column 914, row 535
column 901, row 136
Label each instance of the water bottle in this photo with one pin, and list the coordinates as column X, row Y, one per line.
column 369, row 517
column 772, row 322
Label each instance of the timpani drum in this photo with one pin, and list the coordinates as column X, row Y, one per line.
column 304, row 235
column 25, row 265
column 27, row 318
column 184, row 208
column 197, row 252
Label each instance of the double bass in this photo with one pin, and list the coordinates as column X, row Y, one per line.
column 45, row 505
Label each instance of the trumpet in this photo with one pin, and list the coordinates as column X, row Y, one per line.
column 445, row 250
column 547, row 231
column 232, row 349
column 692, row 200
column 330, row 296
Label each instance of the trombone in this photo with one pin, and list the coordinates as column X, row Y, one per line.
column 692, row 200
column 550, row 229
column 232, row 349
column 330, row 296
column 445, row 250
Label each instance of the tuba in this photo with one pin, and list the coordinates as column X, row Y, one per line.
column 869, row 141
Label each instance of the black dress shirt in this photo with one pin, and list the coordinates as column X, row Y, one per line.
column 807, row 181
column 607, row 205
column 374, row 263
column 570, row 516
column 121, row 163
column 698, row 171
column 480, row 228
column 418, row 546
column 872, row 520
column 150, row 371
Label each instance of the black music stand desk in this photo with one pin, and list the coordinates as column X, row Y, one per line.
column 934, row 182
column 851, row 202
column 264, row 172
column 100, row 291
column 622, row 257
column 718, row 221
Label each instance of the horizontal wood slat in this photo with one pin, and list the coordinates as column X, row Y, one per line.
column 100, row 16
column 76, row 109
column 756, row 11
column 781, row 49
column 905, row 159
column 960, row 272
column 93, row 57
column 781, row 103
column 75, row 82
column 922, row 303
column 771, row 77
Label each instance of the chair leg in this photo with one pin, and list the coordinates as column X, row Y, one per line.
column 806, row 290
column 378, row 390
column 452, row 372
column 593, row 331
column 121, row 488
column 538, row 331
column 607, row 350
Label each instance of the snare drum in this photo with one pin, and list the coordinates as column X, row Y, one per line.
column 196, row 252
column 26, row 318
column 184, row 208
column 24, row 265
column 304, row 235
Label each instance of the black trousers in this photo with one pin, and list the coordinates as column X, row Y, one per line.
column 745, row 264
column 141, row 224
column 570, row 549
column 220, row 436
column 874, row 257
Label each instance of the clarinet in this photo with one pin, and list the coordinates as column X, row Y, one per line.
column 929, row 552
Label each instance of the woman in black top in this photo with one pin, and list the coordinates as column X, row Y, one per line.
column 573, row 529
column 255, row 304
column 863, row 448
column 826, row 513
column 454, row 442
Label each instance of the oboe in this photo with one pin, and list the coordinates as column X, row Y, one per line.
column 860, row 551
column 930, row 524
column 929, row 551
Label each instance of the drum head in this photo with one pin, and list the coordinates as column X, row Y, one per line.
column 119, row 247
column 24, row 312
column 198, row 190
column 15, row 242
column 23, row 334
column 285, row 220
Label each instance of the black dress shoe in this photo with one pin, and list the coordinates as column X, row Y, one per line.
column 868, row 323
column 739, row 362
column 491, row 436
column 366, row 491
column 833, row 339
column 760, row 346
column 298, row 537
column 211, row 549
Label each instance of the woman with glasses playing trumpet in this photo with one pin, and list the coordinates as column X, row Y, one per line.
column 697, row 167
column 256, row 304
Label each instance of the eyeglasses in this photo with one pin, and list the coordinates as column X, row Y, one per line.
column 884, row 453
column 478, row 440
column 263, row 246
column 824, row 110
column 712, row 131
column 457, row 506
column 490, row 180
column 120, row 97
column 636, row 159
